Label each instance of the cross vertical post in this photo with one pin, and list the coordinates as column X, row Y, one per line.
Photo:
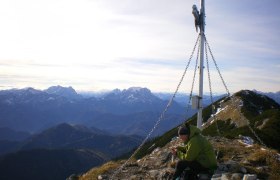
column 201, row 63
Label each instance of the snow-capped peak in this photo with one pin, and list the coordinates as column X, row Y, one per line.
column 68, row 92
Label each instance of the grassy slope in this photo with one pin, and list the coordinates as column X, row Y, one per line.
column 253, row 105
column 269, row 133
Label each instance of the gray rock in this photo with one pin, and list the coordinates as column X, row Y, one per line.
column 246, row 162
column 243, row 170
column 236, row 176
column 222, row 168
column 216, row 177
column 204, row 176
column 133, row 177
column 231, row 167
column 250, row 177
column 232, row 176
column 262, row 168
column 166, row 174
column 226, row 176
column 165, row 156
column 153, row 173
column 132, row 165
column 102, row 177
column 156, row 150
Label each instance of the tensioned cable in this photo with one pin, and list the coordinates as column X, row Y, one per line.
column 161, row 116
column 210, row 89
column 216, row 66
column 251, row 129
column 193, row 81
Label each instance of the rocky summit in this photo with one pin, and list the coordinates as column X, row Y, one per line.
column 237, row 159
column 243, row 129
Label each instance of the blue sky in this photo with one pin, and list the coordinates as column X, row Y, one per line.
column 96, row 45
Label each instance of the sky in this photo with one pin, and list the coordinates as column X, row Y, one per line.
column 95, row 45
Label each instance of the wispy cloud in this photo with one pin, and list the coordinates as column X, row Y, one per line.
column 108, row 44
column 252, row 78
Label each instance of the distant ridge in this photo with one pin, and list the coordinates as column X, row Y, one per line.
column 34, row 110
column 275, row 96
column 66, row 136
column 61, row 150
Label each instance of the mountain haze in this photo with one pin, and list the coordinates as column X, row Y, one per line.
column 12, row 135
column 65, row 136
column 34, row 110
column 61, row 150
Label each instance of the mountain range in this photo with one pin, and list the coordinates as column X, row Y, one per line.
column 275, row 96
column 66, row 136
column 60, row 130
column 34, row 110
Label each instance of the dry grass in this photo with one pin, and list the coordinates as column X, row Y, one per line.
column 259, row 157
column 262, row 162
column 95, row 172
column 267, row 158
column 275, row 173
column 231, row 150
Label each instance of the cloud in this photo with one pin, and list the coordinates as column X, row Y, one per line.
column 108, row 44
column 251, row 78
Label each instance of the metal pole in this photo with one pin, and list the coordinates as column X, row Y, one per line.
column 201, row 64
